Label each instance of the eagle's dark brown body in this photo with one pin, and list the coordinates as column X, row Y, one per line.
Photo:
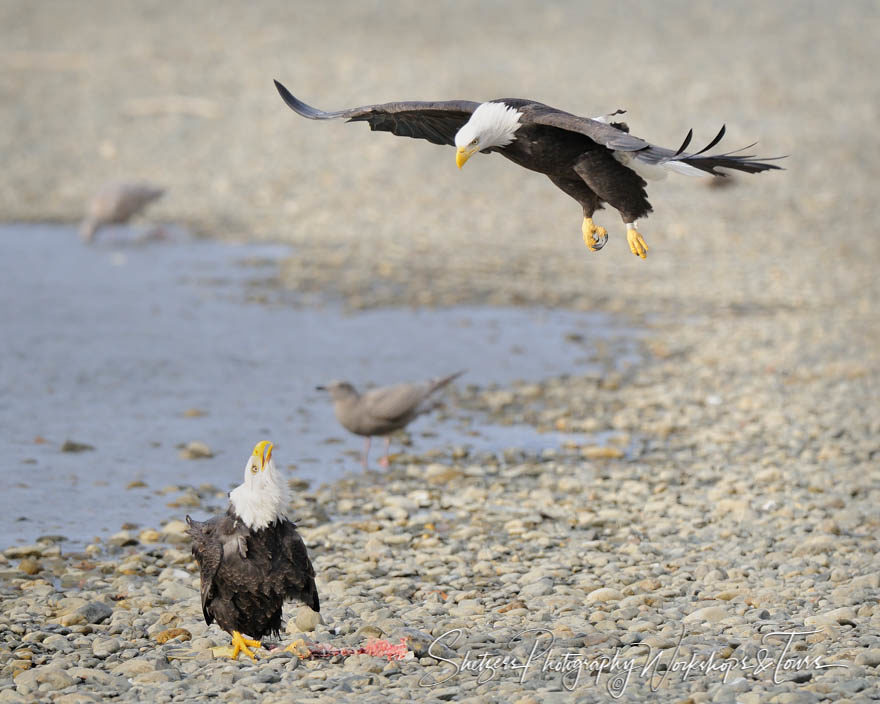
column 578, row 166
column 246, row 575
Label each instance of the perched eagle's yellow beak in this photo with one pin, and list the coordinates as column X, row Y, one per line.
column 263, row 450
column 462, row 154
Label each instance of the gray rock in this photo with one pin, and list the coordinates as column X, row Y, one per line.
column 369, row 630
column 122, row 539
column 196, row 450
column 156, row 677
column 95, row 612
column 870, row 657
column 19, row 551
column 603, row 594
column 307, row 620
column 77, row 698
column 102, row 647
column 540, row 588
column 100, row 678
column 52, row 676
column 800, row 697
column 238, row 693
column 835, row 616
column 57, row 642
column 707, row 613
column 133, row 667
column 178, row 592
column 363, row 663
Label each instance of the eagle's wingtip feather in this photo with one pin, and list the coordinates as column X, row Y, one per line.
column 298, row 106
column 288, row 98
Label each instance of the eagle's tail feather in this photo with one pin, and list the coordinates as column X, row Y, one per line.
column 686, row 163
column 747, row 163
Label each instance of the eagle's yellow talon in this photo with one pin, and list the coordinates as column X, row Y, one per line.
column 595, row 237
column 636, row 243
column 240, row 644
column 299, row 648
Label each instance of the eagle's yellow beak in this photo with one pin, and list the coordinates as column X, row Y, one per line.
column 263, row 450
column 462, row 154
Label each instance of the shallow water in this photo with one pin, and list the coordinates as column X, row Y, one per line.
column 112, row 345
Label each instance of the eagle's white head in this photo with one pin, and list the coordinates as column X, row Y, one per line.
column 262, row 497
column 491, row 125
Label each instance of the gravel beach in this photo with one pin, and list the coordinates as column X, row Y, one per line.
column 733, row 516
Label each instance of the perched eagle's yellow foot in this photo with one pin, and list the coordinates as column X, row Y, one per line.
column 595, row 237
column 636, row 242
column 240, row 644
column 299, row 648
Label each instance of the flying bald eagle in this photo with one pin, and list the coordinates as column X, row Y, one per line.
column 251, row 559
column 595, row 161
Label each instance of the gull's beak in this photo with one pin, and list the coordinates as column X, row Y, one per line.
column 263, row 450
column 320, row 388
column 462, row 154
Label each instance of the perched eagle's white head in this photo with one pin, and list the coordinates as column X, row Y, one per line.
column 262, row 497
column 491, row 125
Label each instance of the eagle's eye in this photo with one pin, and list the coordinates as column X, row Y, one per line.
column 474, row 141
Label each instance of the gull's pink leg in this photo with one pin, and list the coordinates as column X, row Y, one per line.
column 366, row 460
column 383, row 461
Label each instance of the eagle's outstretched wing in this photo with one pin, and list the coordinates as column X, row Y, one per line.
column 645, row 152
column 436, row 122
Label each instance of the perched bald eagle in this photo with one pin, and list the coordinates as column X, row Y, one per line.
column 592, row 160
column 252, row 559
